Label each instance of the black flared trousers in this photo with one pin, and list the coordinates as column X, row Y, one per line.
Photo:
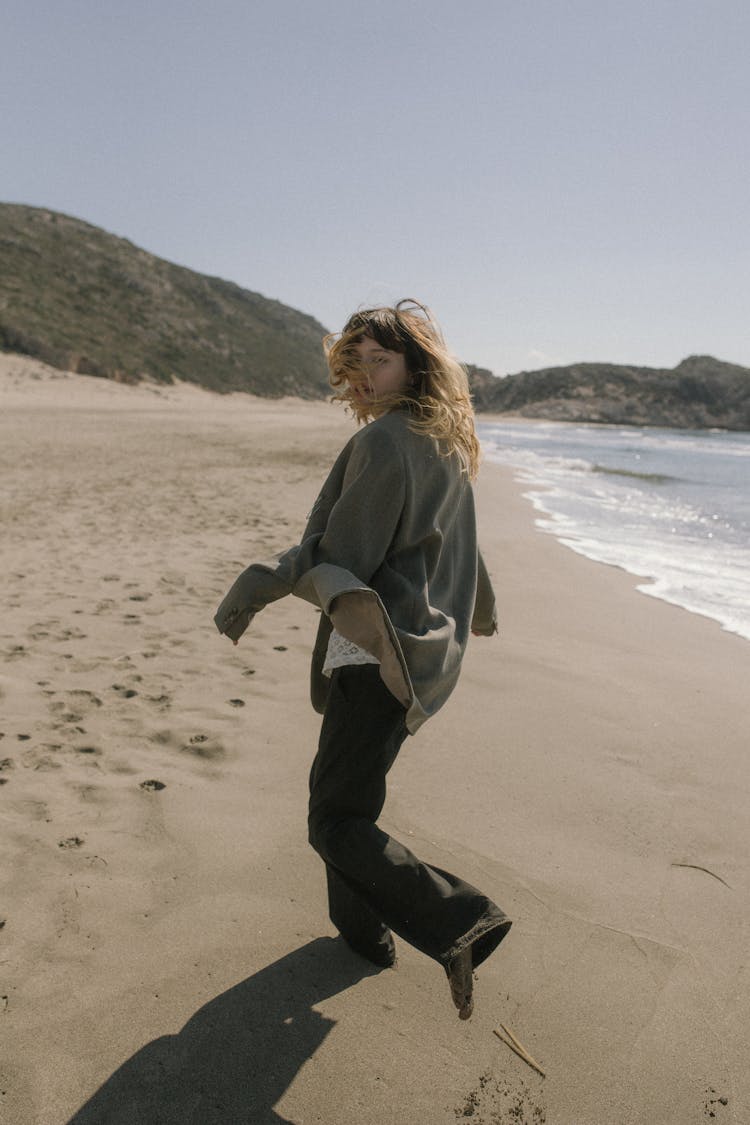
column 375, row 884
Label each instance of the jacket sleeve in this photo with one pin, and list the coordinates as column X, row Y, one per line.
column 343, row 552
column 484, row 621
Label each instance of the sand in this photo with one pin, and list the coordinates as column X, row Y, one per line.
column 165, row 954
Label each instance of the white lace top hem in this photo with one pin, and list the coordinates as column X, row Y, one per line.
column 341, row 651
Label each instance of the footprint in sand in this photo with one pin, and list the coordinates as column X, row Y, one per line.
column 93, row 750
column 37, row 760
column 80, row 703
column 59, row 708
column 84, row 698
column 202, row 746
column 71, row 635
column 172, row 583
column 122, row 768
column 163, row 701
column 164, row 738
column 124, row 692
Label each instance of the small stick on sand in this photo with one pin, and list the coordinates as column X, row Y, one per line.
column 519, row 1049
column 697, row 867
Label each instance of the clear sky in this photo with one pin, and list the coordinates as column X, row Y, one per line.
column 560, row 180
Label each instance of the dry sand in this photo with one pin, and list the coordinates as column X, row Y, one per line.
column 165, row 955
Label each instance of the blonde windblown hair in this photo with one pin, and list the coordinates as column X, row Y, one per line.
column 437, row 396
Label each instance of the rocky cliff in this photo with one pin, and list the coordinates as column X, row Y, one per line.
column 699, row 393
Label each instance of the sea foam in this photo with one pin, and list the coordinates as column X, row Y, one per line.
column 669, row 506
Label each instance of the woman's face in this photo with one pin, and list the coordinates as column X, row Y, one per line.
column 385, row 372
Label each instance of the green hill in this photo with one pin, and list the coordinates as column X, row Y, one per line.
column 84, row 300
column 699, row 393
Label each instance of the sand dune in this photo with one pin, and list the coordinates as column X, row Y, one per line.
column 165, row 954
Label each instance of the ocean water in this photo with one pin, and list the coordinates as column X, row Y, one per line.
column 670, row 506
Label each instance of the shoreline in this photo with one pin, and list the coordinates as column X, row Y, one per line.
column 167, row 951
column 681, row 569
column 645, row 583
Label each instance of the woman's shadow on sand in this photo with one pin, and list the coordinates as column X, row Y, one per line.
column 237, row 1055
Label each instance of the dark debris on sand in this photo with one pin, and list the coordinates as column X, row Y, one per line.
column 499, row 1101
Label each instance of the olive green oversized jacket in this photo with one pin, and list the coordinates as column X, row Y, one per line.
column 390, row 556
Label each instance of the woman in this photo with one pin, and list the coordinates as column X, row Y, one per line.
column 390, row 557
